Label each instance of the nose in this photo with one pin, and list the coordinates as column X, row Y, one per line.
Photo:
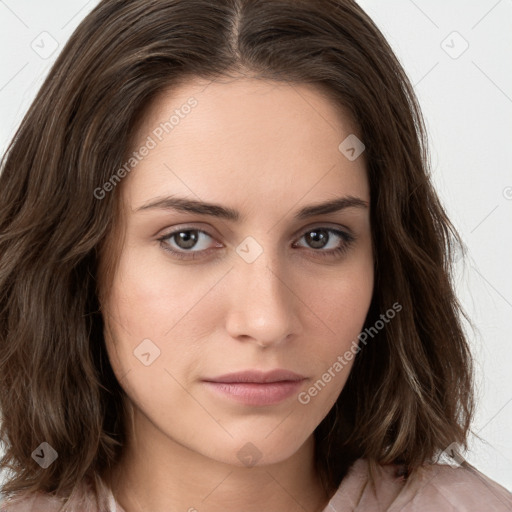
column 263, row 306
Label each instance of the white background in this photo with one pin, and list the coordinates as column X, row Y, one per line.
column 467, row 103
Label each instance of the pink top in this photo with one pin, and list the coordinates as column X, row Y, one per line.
column 432, row 488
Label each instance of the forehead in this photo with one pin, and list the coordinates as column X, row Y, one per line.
column 241, row 139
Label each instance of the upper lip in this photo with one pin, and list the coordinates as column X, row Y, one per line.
column 258, row 376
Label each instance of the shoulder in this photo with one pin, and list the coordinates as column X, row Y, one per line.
column 31, row 503
column 89, row 496
column 456, row 488
column 430, row 487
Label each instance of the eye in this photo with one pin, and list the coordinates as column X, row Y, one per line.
column 194, row 243
column 334, row 240
column 181, row 242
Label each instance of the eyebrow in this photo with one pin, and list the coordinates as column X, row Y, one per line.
column 183, row 204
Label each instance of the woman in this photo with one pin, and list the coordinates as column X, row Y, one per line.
column 225, row 274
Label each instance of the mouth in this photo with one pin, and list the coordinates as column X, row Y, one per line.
column 256, row 388
column 258, row 377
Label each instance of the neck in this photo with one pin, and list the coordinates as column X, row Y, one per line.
column 158, row 474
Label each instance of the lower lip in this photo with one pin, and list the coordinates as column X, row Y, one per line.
column 252, row 393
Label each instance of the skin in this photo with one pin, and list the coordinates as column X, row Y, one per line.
column 266, row 149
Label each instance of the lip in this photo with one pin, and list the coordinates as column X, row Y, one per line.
column 258, row 376
column 255, row 387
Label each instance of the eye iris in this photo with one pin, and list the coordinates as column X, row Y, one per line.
column 317, row 238
column 186, row 239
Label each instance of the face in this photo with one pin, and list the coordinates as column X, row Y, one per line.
column 255, row 280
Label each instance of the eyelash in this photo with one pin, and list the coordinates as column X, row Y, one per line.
column 348, row 240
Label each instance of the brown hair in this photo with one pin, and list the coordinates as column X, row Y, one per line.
column 409, row 393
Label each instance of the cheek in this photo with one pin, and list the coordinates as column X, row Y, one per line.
column 150, row 295
column 341, row 302
column 154, row 307
column 342, row 299
column 344, row 307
